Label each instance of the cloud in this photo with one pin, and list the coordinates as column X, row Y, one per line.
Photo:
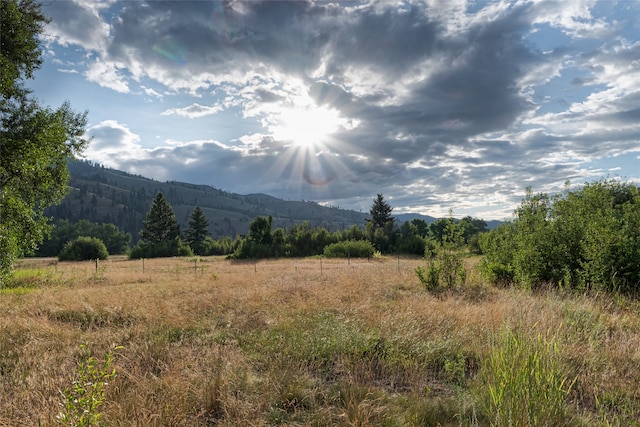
column 193, row 111
column 112, row 143
column 107, row 75
column 440, row 104
column 77, row 22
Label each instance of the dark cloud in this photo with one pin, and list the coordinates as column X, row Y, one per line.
column 457, row 100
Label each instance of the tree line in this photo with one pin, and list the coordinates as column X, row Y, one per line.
column 161, row 236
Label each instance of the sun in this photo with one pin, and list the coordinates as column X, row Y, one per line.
column 311, row 150
column 306, row 127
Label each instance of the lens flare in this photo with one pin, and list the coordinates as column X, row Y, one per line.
column 172, row 49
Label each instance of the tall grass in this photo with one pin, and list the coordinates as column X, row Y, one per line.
column 522, row 382
column 286, row 343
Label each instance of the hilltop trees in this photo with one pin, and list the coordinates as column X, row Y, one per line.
column 160, row 236
column 35, row 141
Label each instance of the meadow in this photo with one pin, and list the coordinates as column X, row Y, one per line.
column 307, row 342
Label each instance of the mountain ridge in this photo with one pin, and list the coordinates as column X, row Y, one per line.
column 101, row 194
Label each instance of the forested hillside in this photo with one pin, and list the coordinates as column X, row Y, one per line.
column 101, row 194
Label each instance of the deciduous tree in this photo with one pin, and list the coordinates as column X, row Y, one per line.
column 35, row 141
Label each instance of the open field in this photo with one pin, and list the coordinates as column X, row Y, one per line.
column 316, row 342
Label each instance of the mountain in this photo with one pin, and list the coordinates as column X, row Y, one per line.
column 400, row 218
column 101, row 194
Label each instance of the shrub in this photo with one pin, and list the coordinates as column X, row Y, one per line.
column 160, row 250
column 445, row 270
column 349, row 248
column 83, row 248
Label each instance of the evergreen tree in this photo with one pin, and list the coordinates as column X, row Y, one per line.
column 35, row 141
column 197, row 232
column 160, row 225
column 380, row 213
column 380, row 227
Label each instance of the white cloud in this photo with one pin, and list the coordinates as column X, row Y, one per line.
column 107, row 75
column 193, row 111
column 113, row 143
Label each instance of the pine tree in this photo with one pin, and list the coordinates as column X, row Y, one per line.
column 197, row 232
column 160, row 225
column 380, row 213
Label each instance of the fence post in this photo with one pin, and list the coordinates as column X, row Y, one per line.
column 143, row 265
column 195, row 266
column 96, row 265
column 320, row 265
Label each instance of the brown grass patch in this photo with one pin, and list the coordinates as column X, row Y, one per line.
column 295, row 342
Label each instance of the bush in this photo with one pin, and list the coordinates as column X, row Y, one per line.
column 161, row 250
column 83, row 248
column 349, row 248
column 585, row 239
column 412, row 245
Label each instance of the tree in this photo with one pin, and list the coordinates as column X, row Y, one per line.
column 160, row 236
column 380, row 227
column 116, row 241
column 197, row 232
column 35, row 141
column 380, row 213
column 586, row 239
column 160, row 224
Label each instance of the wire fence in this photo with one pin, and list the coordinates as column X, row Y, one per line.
column 206, row 265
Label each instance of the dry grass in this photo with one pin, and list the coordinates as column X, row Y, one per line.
column 283, row 342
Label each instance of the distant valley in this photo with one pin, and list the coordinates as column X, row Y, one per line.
column 101, row 194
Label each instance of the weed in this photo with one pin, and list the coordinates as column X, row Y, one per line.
column 84, row 398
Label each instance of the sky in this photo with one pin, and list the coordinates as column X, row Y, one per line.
column 438, row 105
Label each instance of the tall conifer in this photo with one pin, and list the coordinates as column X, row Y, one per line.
column 161, row 224
column 197, row 232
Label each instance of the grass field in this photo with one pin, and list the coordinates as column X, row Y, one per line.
column 313, row 342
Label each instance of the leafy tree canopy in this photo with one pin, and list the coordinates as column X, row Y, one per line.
column 588, row 239
column 35, row 141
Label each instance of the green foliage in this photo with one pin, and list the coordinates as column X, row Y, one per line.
column 160, row 225
column 115, row 240
column 379, row 229
column 349, row 248
column 380, row 213
column 522, row 382
column 161, row 234
column 84, row 398
column 35, row 142
column 584, row 239
column 21, row 51
column 161, row 250
column 446, row 270
column 197, row 233
column 446, row 267
column 409, row 240
column 84, row 248
column 222, row 246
